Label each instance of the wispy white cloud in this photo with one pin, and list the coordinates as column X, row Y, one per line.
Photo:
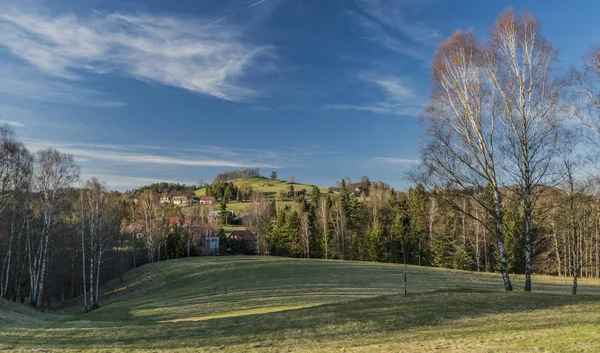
column 132, row 165
column 221, row 19
column 121, row 182
column 141, row 155
column 166, row 50
column 398, row 161
column 23, row 81
column 398, row 97
column 12, row 123
column 387, row 23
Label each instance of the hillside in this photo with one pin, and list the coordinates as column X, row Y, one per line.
column 273, row 304
column 268, row 187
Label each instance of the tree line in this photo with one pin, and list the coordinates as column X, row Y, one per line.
column 238, row 174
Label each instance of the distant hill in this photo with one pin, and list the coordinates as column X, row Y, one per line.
column 269, row 187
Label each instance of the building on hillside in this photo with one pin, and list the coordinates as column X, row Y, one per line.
column 218, row 214
column 241, row 242
column 207, row 200
column 211, row 245
column 176, row 220
column 242, row 235
column 137, row 230
column 165, row 200
column 182, row 200
column 195, row 200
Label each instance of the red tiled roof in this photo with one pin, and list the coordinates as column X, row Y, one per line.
column 175, row 220
column 207, row 198
column 135, row 228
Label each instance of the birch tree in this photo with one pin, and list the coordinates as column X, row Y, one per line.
column 258, row 217
column 97, row 226
column 54, row 174
column 147, row 208
column 587, row 85
column 521, row 66
column 461, row 122
column 15, row 170
column 323, row 216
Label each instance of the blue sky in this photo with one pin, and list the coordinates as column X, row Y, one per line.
column 147, row 91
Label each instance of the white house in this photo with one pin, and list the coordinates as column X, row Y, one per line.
column 211, row 245
column 207, row 200
column 182, row 200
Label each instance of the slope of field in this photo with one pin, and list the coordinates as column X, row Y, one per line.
column 271, row 304
column 267, row 186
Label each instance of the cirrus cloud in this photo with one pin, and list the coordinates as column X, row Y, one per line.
column 167, row 50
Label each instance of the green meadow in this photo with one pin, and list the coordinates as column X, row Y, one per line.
column 271, row 304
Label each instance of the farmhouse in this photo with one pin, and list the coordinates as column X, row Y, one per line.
column 165, row 200
column 207, row 200
column 182, row 200
column 137, row 230
column 211, row 245
column 218, row 214
column 245, row 235
column 176, row 220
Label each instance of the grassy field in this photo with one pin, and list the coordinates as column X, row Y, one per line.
column 267, row 186
column 271, row 304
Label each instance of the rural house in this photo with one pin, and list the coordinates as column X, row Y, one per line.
column 211, row 245
column 176, row 220
column 243, row 235
column 207, row 200
column 182, row 200
column 165, row 200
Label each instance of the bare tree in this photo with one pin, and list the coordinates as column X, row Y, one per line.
column 304, row 232
column 97, row 227
column 258, row 217
column 323, row 215
column 147, row 208
column 461, row 124
column 15, row 170
column 522, row 69
column 588, row 87
column 340, row 225
column 54, row 173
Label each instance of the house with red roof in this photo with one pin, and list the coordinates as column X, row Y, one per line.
column 207, row 200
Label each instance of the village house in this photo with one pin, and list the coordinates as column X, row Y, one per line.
column 207, row 200
column 176, row 220
column 218, row 214
column 165, row 200
column 211, row 245
column 182, row 200
column 243, row 235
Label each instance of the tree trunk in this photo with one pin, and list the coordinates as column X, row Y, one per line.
column 83, row 263
column 500, row 239
column 44, row 261
column 528, row 230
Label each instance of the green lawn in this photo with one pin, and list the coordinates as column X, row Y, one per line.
column 271, row 304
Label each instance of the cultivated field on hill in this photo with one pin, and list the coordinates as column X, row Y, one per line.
column 273, row 304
